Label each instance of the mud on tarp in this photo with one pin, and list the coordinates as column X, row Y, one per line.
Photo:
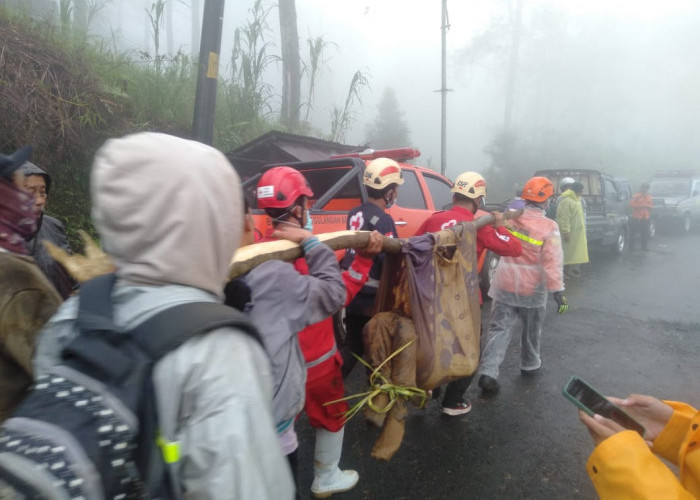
column 429, row 292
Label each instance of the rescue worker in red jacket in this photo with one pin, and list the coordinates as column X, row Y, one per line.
column 520, row 287
column 469, row 190
column 324, row 380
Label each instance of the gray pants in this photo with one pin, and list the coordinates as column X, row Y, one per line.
column 504, row 320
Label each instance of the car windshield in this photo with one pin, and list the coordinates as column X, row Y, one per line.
column 669, row 187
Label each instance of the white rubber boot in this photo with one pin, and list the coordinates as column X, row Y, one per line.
column 328, row 478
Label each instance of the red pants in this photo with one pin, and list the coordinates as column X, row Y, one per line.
column 324, row 382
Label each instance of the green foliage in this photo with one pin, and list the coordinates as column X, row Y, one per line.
column 69, row 92
column 70, row 201
column 245, row 99
column 389, row 129
column 318, row 46
column 157, row 19
column 342, row 118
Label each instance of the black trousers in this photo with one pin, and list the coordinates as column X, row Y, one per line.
column 293, row 459
column 354, row 323
column 454, row 392
column 639, row 228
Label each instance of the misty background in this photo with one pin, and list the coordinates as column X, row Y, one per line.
column 608, row 85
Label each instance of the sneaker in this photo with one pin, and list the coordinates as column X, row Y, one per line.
column 460, row 408
column 489, row 384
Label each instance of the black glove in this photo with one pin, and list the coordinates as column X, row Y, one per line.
column 561, row 302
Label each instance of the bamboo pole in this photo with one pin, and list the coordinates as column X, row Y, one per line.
column 248, row 257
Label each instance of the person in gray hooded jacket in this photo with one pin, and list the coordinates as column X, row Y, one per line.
column 169, row 212
column 284, row 301
column 38, row 183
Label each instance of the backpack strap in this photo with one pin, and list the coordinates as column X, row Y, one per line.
column 95, row 308
column 169, row 329
column 157, row 336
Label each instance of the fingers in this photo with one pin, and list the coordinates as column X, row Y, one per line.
column 374, row 246
column 498, row 219
column 609, row 424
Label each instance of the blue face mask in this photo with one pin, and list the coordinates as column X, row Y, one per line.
column 309, row 226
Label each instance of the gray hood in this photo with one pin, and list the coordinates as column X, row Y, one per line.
column 28, row 168
column 169, row 210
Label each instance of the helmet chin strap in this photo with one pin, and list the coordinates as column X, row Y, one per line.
column 300, row 220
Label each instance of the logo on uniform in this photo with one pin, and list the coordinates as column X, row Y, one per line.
column 503, row 237
column 356, row 221
column 449, row 223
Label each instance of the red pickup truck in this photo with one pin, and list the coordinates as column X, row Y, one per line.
column 337, row 186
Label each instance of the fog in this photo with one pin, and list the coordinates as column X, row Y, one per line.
column 610, row 85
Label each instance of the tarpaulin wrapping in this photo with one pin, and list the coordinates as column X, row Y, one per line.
column 429, row 292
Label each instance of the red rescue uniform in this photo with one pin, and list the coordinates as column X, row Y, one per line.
column 324, row 379
column 498, row 240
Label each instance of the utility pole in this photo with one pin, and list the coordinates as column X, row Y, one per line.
column 512, row 67
column 208, row 74
column 443, row 90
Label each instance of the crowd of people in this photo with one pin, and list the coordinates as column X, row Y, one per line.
column 228, row 403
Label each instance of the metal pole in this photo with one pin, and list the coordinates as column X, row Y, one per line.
column 443, row 91
column 208, row 74
column 512, row 67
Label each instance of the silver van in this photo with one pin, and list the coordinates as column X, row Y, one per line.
column 676, row 195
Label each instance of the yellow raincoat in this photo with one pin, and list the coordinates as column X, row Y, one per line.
column 571, row 221
column 623, row 467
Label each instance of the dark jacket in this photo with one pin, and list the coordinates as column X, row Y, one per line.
column 50, row 229
column 27, row 301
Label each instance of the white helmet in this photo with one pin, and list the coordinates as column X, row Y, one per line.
column 470, row 184
column 381, row 173
column 566, row 181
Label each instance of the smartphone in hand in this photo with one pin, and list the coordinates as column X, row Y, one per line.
column 591, row 401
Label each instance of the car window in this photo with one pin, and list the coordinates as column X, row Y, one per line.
column 439, row 190
column 610, row 191
column 593, row 186
column 410, row 193
column 623, row 188
column 321, row 180
column 669, row 187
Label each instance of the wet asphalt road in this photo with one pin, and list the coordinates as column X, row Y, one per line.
column 633, row 326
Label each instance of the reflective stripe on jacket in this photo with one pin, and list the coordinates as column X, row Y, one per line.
column 524, row 281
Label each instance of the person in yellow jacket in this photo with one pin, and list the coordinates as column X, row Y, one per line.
column 572, row 226
column 626, row 466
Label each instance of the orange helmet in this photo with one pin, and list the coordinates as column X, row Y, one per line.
column 381, row 173
column 280, row 187
column 470, row 184
column 538, row 189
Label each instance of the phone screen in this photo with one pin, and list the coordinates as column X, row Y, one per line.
column 594, row 402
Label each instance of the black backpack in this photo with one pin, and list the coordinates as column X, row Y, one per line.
column 88, row 429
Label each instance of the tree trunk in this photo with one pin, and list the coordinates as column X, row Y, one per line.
column 80, row 15
column 291, row 64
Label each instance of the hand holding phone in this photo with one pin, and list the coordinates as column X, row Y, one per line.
column 592, row 402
